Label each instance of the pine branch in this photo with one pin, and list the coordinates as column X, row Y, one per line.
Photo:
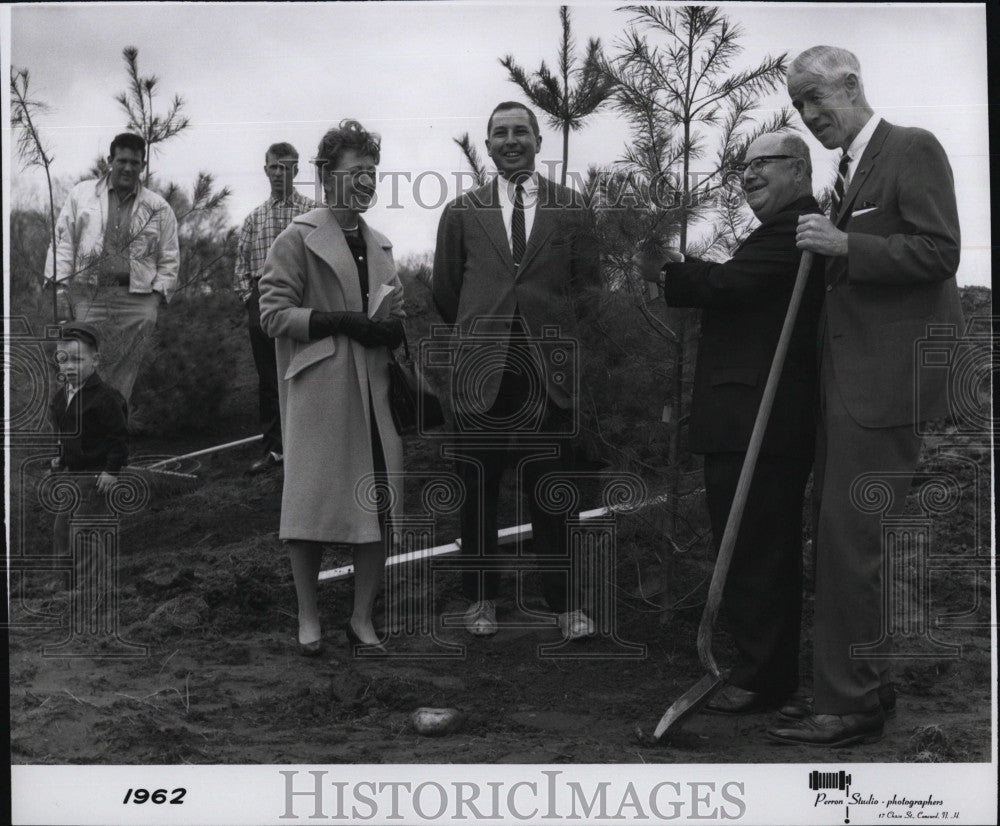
column 574, row 93
column 676, row 90
column 568, row 46
column 137, row 103
column 472, row 157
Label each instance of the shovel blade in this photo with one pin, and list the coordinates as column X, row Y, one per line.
column 688, row 703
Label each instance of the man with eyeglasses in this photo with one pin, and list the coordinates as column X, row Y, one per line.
column 744, row 302
column 892, row 249
column 261, row 227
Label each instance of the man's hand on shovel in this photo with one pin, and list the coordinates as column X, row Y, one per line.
column 701, row 692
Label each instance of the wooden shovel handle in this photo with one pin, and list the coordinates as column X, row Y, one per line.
column 746, row 474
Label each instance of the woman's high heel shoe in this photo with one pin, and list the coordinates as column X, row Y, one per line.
column 367, row 650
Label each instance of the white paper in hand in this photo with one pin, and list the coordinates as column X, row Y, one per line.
column 380, row 304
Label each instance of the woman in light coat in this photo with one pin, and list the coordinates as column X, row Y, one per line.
column 322, row 276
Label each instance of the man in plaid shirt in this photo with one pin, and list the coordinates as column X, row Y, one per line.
column 259, row 230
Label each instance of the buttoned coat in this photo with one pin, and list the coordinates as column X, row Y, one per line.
column 478, row 288
column 92, row 429
column 897, row 280
column 324, row 384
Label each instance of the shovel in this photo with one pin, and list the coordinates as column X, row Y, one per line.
column 701, row 692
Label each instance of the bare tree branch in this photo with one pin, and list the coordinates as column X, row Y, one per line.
column 32, row 152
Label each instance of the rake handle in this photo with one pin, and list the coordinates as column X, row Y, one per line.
column 205, row 452
column 728, row 543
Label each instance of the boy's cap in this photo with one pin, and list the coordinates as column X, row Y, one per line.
column 79, row 331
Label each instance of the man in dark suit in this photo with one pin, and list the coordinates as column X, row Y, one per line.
column 892, row 249
column 744, row 302
column 514, row 260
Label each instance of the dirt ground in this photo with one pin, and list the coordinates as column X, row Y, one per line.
column 206, row 588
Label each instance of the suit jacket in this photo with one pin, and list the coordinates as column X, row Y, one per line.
column 92, row 430
column 478, row 288
column 329, row 389
column 744, row 302
column 898, row 278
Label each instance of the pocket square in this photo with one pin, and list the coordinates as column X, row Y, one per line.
column 858, row 212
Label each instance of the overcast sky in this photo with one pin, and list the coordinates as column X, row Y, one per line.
column 424, row 73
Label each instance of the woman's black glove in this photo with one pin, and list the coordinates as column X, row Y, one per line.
column 392, row 331
column 357, row 326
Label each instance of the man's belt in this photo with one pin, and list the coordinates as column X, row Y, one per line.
column 114, row 279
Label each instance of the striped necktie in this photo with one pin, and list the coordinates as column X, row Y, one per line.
column 840, row 185
column 517, row 239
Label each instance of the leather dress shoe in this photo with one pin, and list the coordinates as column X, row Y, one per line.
column 731, row 700
column 265, row 463
column 481, row 618
column 576, row 625
column 832, row 730
column 799, row 706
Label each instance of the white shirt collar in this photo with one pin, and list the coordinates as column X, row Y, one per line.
column 530, row 185
column 860, row 144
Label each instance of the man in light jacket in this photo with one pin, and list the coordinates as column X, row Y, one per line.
column 116, row 259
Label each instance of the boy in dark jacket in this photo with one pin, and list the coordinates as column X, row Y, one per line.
column 89, row 419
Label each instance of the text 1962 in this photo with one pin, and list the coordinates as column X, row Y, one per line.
column 157, row 796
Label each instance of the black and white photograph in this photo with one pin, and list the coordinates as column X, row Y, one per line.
column 498, row 412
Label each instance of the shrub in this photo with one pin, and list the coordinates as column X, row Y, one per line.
column 189, row 369
column 28, row 238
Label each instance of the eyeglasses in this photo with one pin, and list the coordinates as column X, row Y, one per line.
column 756, row 166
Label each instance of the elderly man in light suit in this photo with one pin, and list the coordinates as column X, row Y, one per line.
column 514, row 261
column 892, row 249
